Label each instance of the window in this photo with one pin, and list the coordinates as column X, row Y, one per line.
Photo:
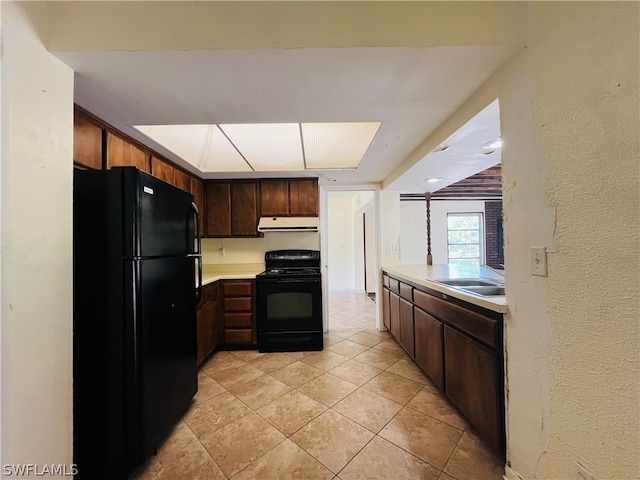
column 464, row 238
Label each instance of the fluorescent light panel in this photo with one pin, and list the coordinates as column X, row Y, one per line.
column 267, row 147
column 203, row 146
column 337, row 145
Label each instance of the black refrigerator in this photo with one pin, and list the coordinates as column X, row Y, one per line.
column 136, row 257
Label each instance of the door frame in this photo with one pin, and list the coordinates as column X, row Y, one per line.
column 324, row 246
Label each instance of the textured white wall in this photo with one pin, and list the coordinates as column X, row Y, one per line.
column 36, row 275
column 570, row 170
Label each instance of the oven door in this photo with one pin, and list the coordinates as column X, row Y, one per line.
column 289, row 304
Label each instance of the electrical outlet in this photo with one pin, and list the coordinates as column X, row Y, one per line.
column 538, row 261
column 395, row 250
column 582, row 473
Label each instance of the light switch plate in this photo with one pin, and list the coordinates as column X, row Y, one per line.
column 538, row 261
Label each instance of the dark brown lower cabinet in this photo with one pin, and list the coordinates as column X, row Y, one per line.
column 385, row 309
column 406, row 326
column 472, row 385
column 209, row 322
column 428, row 345
column 239, row 306
column 458, row 346
column 394, row 314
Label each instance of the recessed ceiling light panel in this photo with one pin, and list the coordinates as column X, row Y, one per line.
column 269, row 146
column 203, row 146
column 337, row 145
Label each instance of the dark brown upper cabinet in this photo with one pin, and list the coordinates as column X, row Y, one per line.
column 289, row 197
column 232, row 209
column 274, row 196
column 162, row 170
column 121, row 153
column 87, row 143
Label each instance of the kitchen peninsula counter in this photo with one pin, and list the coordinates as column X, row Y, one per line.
column 427, row 276
column 230, row 271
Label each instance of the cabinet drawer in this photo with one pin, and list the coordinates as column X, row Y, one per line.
column 385, row 280
column 394, row 285
column 406, row 291
column 237, row 289
column 238, row 336
column 234, row 320
column 210, row 292
column 237, row 304
column 478, row 326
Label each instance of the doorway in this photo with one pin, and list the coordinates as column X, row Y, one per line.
column 350, row 259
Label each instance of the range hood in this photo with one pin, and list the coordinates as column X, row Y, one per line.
column 288, row 224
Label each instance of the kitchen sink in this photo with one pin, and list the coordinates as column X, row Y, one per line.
column 485, row 290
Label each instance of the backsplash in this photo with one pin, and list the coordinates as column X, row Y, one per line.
column 252, row 250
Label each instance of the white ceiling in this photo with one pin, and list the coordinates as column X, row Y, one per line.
column 411, row 90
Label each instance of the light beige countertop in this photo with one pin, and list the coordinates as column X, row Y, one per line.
column 426, row 275
column 230, row 271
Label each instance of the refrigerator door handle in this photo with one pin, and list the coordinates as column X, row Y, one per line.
column 198, row 252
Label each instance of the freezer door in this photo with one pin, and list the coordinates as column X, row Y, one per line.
column 164, row 358
column 164, row 219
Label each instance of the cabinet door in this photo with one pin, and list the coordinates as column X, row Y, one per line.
column 385, row 308
column 406, row 326
column 162, row 170
column 205, row 333
column 196, row 188
column 394, row 315
column 274, row 198
column 218, row 214
column 428, row 345
column 121, row 153
column 244, row 209
column 303, row 197
column 472, row 384
column 87, row 143
column 181, row 180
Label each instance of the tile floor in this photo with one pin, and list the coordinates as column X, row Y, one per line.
column 360, row 409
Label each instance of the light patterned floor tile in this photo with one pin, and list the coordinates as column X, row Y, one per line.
column 393, row 387
column 368, row 409
column 207, row 387
column 407, row 368
column 377, row 358
column 192, row 463
column 296, row 373
column 260, row 391
column 286, row 461
column 431, row 402
column 320, row 437
column 269, row 363
column 244, row 440
column 291, row 411
column 327, row 389
column 325, row 360
column 381, row 459
column 214, row 413
column 471, row 459
column 367, row 339
column 348, row 348
column 427, row 438
column 355, row 372
column 235, row 376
